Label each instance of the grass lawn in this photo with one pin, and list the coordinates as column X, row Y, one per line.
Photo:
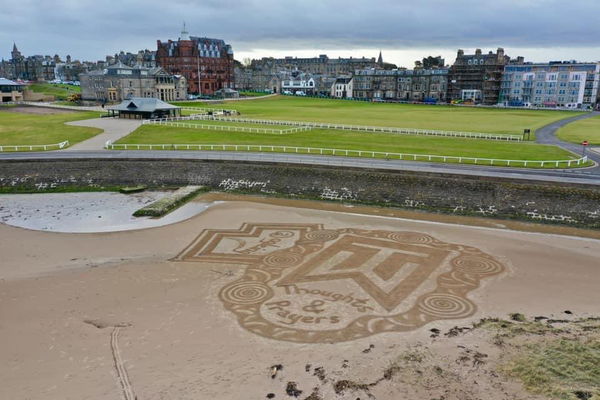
column 59, row 90
column 578, row 131
column 148, row 134
column 19, row 128
column 448, row 118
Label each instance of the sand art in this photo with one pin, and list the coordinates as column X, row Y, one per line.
column 304, row 283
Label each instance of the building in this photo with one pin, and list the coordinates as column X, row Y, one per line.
column 206, row 63
column 555, row 84
column 42, row 68
column 375, row 84
column 298, row 82
column 342, row 88
column 119, row 82
column 423, row 85
column 257, row 79
column 478, row 77
column 10, row 91
column 144, row 108
column 418, row 85
column 227, row 93
column 321, row 65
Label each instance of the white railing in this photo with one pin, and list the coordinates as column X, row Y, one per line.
column 33, row 147
column 204, row 110
column 352, row 153
column 229, row 128
column 359, row 128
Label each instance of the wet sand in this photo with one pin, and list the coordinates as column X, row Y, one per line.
column 157, row 313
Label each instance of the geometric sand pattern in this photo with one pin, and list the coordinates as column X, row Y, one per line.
column 307, row 284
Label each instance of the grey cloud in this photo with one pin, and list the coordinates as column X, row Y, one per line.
column 91, row 29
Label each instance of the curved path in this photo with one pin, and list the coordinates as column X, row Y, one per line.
column 547, row 135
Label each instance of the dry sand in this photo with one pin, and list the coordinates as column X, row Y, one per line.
column 176, row 312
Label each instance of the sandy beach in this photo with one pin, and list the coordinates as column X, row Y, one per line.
column 205, row 307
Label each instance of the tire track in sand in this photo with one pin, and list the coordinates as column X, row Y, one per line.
column 128, row 392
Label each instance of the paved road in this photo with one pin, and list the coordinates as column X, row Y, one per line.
column 583, row 176
column 114, row 129
column 547, row 135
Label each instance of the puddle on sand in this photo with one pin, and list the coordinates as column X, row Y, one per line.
column 88, row 212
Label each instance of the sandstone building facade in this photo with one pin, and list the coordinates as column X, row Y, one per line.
column 119, row 82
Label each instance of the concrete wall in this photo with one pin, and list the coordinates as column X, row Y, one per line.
column 568, row 204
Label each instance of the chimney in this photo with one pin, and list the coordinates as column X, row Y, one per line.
column 500, row 52
column 460, row 53
column 478, row 52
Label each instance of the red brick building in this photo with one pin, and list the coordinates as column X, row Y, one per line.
column 187, row 56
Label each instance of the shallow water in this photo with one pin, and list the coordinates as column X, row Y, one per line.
column 87, row 212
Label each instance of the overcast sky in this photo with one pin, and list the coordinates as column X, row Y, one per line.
column 540, row 30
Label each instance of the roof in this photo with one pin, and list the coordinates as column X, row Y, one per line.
column 119, row 65
column 343, row 80
column 7, row 82
column 143, row 104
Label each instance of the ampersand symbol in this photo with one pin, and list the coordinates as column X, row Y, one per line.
column 314, row 307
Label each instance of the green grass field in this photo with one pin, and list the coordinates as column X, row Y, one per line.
column 149, row 134
column 235, row 124
column 578, row 131
column 58, row 90
column 446, row 118
column 28, row 129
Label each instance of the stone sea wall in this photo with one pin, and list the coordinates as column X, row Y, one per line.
column 467, row 195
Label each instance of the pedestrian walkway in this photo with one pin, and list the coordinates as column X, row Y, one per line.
column 114, row 129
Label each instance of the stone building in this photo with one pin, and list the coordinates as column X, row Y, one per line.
column 375, row 84
column 257, row 79
column 418, row 85
column 42, row 68
column 477, row 77
column 423, row 85
column 119, row 82
column 555, row 84
column 321, row 65
column 206, row 63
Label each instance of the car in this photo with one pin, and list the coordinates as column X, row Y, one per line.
column 287, row 92
column 300, row 93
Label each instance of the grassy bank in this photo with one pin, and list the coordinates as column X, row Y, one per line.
column 59, row 90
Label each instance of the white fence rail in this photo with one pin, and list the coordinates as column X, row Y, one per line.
column 204, row 110
column 359, row 128
column 228, row 128
column 34, row 147
column 352, row 153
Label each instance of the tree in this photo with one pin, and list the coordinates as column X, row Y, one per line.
column 432, row 62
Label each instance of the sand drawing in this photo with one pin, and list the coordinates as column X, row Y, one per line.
column 304, row 283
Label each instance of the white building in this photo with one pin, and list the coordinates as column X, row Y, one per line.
column 298, row 83
column 342, row 88
column 555, row 84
